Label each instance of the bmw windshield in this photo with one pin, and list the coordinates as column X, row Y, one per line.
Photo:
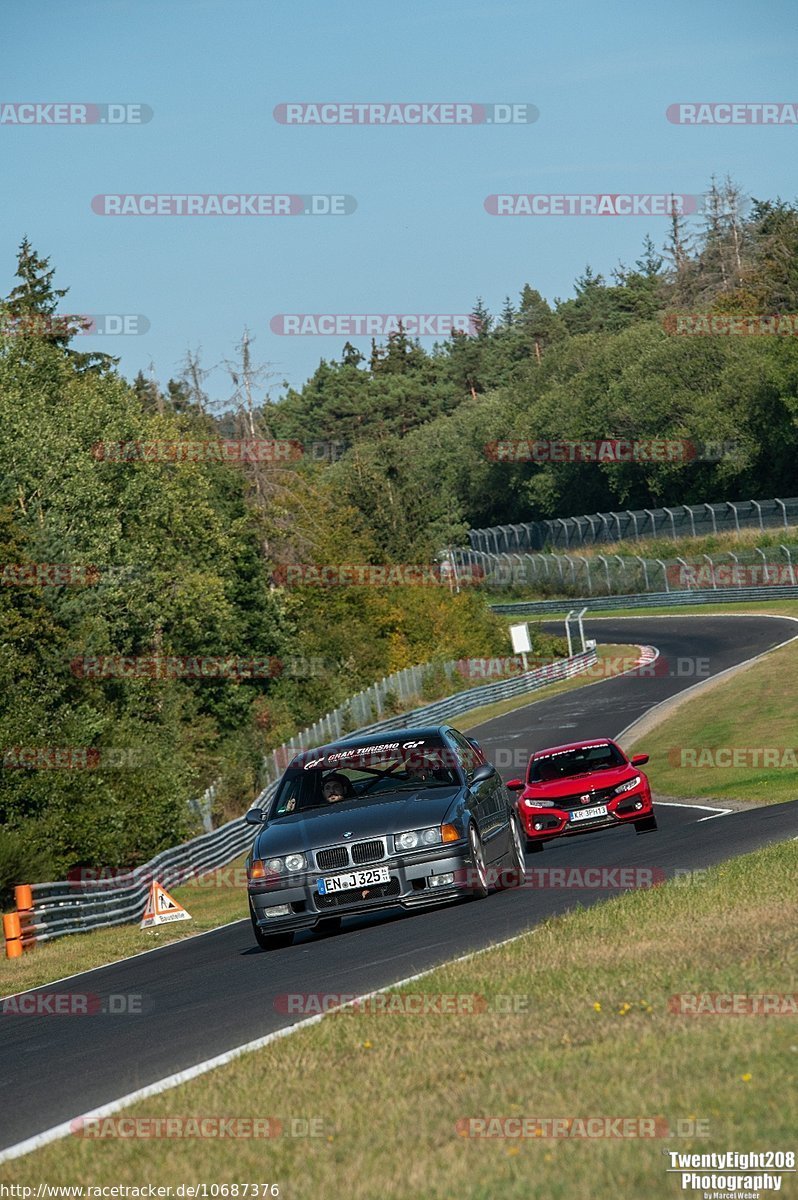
column 365, row 774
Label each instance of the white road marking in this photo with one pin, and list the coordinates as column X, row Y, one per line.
column 170, row 1081
column 716, row 812
column 220, row 1060
column 128, row 958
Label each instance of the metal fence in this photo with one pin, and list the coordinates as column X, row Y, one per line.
column 382, row 699
column 76, row 906
column 586, row 575
column 683, row 520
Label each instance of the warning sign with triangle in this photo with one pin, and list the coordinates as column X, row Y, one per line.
column 162, row 908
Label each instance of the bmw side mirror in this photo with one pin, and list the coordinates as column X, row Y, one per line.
column 255, row 816
column 639, row 760
column 484, row 771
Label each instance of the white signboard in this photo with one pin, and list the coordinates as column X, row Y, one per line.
column 519, row 635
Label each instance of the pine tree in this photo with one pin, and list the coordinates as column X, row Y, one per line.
column 30, row 311
column 31, row 305
column 481, row 318
column 351, row 356
column 508, row 313
column 650, row 261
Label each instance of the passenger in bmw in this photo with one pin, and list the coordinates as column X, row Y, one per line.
column 427, row 769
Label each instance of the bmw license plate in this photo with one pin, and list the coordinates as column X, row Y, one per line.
column 353, row 879
column 584, row 814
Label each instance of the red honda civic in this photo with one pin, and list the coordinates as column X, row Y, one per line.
column 580, row 787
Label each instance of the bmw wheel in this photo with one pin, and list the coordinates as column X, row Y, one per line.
column 478, row 869
column 513, row 874
column 269, row 941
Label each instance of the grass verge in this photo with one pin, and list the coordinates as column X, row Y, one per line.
column 768, row 608
column 589, row 1033
column 735, row 740
column 612, row 660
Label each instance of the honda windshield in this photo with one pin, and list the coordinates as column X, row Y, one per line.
column 566, row 763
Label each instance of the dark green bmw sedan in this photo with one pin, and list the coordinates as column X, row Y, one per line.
column 407, row 818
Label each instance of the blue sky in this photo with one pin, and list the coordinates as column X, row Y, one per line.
column 601, row 74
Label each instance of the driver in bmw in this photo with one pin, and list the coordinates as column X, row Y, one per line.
column 336, row 787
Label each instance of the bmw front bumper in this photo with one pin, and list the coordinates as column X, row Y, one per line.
column 409, row 887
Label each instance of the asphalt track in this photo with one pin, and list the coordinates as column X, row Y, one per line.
column 209, row 994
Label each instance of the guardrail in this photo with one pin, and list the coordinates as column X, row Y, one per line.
column 75, row 906
column 647, row 600
column 681, row 520
column 53, row 910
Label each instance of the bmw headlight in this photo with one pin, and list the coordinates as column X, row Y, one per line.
column 629, row 786
column 290, row 864
column 415, row 839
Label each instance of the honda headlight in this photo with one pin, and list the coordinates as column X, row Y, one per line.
column 539, row 804
column 629, row 786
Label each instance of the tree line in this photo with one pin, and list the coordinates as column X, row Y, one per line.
column 185, row 555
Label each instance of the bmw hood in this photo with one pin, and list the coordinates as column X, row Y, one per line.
column 354, row 820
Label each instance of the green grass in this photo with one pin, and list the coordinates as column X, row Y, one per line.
column 773, row 608
column 612, row 660
column 592, row 1036
column 749, row 713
